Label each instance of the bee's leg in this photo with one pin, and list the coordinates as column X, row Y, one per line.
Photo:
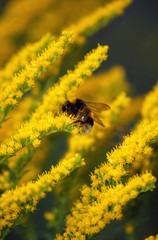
column 74, row 122
column 77, row 121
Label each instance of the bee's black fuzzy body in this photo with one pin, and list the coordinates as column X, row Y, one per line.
column 79, row 109
column 85, row 112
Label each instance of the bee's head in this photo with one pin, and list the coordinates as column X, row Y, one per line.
column 67, row 107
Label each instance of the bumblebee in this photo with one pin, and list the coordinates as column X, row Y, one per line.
column 86, row 113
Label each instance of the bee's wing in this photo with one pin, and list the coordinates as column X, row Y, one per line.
column 98, row 107
column 97, row 120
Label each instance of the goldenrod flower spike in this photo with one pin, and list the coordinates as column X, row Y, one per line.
column 152, row 238
column 14, row 204
column 24, row 80
column 32, row 132
column 44, row 120
column 132, row 149
column 99, row 206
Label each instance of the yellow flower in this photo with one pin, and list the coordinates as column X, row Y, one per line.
column 131, row 149
column 152, row 238
column 36, row 142
column 43, row 121
column 106, row 206
column 14, row 202
column 22, row 81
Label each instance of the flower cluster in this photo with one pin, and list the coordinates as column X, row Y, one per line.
column 21, row 82
column 43, row 121
column 132, row 149
column 99, row 206
column 152, row 238
column 17, row 202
